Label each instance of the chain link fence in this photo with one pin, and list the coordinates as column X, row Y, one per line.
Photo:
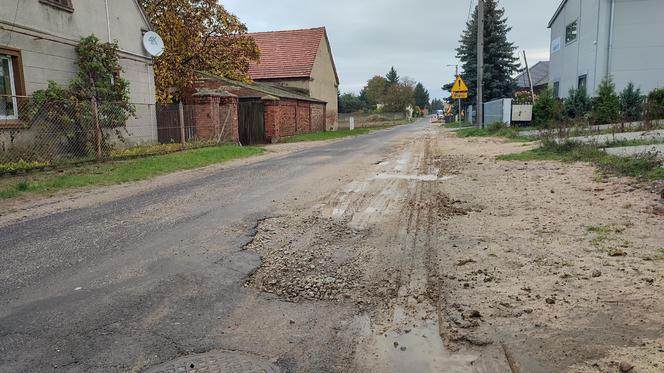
column 39, row 132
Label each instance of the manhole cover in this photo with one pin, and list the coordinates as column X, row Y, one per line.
column 216, row 362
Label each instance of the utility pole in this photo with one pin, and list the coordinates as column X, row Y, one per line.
column 456, row 75
column 480, row 62
column 530, row 78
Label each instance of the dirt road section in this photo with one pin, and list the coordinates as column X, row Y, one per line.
column 457, row 262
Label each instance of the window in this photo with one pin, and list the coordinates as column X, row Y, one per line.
column 583, row 83
column 556, row 89
column 571, row 32
column 60, row 4
column 11, row 84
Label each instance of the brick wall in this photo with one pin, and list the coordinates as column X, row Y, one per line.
column 303, row 117
column 317, row 117
column 228, row 119
column 206, row 116
column 286, row 118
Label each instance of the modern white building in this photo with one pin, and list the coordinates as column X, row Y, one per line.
column 595, row 39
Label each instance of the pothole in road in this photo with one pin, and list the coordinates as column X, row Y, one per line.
column 217, row 362
column 314, row 258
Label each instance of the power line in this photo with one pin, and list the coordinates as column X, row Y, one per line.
column 470, row 10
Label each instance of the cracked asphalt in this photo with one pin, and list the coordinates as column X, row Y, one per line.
column 408, row 249
column 151, row 277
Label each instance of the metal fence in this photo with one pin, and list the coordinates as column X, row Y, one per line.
column 43, row 131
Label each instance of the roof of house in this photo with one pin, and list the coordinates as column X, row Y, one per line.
column 288, row 54
column 557, row 13
column 539, row 73
column 266, row 89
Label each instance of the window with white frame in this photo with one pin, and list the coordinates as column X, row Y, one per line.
column 571, row 32
column 8, row 104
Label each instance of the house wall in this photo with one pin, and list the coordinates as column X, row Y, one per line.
column 637, row 50
column 324, row 85
column 47, row 36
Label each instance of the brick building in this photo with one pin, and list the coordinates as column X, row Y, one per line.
column 251, row 113
column 299, row 61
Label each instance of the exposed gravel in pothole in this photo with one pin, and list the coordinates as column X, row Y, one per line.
column 309, row 258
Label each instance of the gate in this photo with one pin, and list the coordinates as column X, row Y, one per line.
column 250, row 121
column 168, row 124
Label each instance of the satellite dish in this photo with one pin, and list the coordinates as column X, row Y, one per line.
column 153, row 43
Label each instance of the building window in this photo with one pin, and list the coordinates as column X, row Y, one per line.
column 583, row 83
column 11, row 83
column 556, row 89
column 60, row 4
column 571, row 32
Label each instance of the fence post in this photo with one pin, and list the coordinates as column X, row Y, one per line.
column 95, row 117
column 181, row 117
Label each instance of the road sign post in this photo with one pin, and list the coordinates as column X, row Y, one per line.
column 459, row 91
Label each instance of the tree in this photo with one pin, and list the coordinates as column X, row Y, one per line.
column 398, row 97
column 655, row 105
column 631, row 103
column 577, row 104
column 606, row 106
column 374, row 92
column 96, row 99
column 350, row 103
column 199, row 35
column 421, row 96
column 501, row 64
column 392, row 76
column 544, row 108
column 437, row 104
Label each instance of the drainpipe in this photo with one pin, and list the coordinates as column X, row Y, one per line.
column 609, row 53
column 108, row 22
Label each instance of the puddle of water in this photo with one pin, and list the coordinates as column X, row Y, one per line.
column 416, row 348
column 411, row 177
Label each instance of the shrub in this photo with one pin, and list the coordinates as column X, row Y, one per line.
column 631, row 103
column 544, row 109
column 655, row 106
column 577, row 105
column 522, row 98
column 607, row 103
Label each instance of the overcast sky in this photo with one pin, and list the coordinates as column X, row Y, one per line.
column 418, row 37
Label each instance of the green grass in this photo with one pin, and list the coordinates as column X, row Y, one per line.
column 123, row 171
column 493, row 131
column 646, row 166
column 458, row 125
column 331, row 135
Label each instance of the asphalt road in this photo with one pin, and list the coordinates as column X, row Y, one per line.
column 159, row 275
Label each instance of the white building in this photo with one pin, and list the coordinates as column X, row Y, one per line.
column 37, row 44
column 595, row 39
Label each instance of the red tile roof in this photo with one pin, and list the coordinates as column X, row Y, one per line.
column 286, row 54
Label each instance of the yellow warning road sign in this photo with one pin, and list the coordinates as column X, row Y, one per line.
column 459, row 95
column 459, row 86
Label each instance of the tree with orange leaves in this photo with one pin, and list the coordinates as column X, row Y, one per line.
column 199, row 35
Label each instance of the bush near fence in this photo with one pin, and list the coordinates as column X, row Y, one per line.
column 37, row 133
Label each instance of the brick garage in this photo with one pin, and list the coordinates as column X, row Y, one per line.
column 285, row 113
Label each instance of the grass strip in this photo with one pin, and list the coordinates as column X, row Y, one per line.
column 331, row 135
column 493, row 131
column 123, row 171
column 647, row 166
